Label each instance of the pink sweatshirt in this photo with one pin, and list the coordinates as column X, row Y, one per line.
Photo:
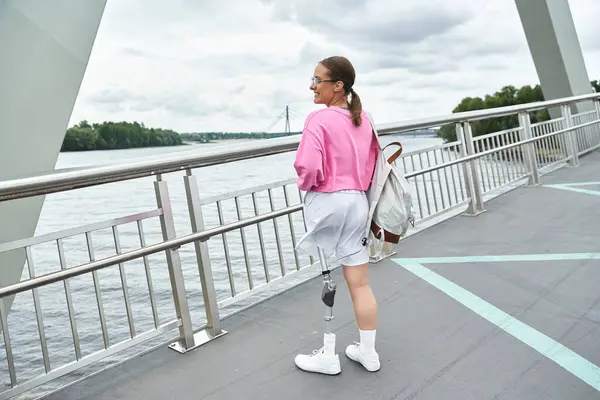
column 335, row 155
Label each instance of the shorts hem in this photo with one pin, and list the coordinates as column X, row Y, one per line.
column 355, row 259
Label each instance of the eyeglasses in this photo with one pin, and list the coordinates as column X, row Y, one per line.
column 314, row 81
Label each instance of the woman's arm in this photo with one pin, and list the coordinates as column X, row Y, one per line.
column 309, row 160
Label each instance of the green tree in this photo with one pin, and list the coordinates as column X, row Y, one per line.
column 507, row 96
column 116, row 135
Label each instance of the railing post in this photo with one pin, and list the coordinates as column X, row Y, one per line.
column 462, row 149
column 571, row 136
column 186, row 332
column 597, row 106
column 472, row 183
column 529, row 150
column 211, row 307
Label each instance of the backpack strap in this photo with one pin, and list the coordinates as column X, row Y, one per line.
column 398, row 152
column 394, row 156
column 374, row 129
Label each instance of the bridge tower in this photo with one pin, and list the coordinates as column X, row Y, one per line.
column 555, row 49
column 44, row 47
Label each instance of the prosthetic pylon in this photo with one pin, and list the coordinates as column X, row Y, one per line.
column 328, row 294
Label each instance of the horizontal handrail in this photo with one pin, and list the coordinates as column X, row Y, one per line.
column 62, row 275
column 156, row 165
column 98, row 175
column 495, row 150
column 467, row 116
column 246, row 191
column 96, row 226
column 425, row 150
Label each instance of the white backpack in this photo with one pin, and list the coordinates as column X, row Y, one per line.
column 390, row 200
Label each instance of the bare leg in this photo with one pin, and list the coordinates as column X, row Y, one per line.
column 363, row 299
column 365, row 309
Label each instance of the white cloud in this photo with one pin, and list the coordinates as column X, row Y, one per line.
column 233, row 65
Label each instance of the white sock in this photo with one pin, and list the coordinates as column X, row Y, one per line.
column 367, row 340
column 329, row 343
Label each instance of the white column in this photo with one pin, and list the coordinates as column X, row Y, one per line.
column 44, row 51
column 555, row 48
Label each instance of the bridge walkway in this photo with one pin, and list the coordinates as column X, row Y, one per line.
column 504, row 305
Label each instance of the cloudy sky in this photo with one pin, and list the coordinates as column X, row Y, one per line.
column 233, row 65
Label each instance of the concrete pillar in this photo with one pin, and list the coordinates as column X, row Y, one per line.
column 556, row 52
column 44, row 51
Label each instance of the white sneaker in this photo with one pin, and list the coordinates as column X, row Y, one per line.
column 320, row 362
column 369, row 360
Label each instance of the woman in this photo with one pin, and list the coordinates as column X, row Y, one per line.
column 334, row 163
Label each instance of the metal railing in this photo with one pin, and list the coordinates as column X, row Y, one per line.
column 211, row 271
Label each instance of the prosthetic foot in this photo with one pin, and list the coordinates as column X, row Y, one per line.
column 323, row 360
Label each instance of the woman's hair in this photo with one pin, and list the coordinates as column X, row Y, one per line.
column 341, row 69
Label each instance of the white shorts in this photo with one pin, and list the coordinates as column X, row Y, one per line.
column 337, row 223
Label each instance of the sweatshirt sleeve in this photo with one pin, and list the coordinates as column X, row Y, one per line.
column 310, row 159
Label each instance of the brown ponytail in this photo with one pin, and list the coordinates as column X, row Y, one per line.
column 341, row 69
column 355, row 108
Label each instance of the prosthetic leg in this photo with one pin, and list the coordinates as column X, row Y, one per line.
column 328, row 294
column 324, row 360
column 328, row 298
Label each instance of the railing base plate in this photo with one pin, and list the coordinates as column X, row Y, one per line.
column 473, row 214
column 200, row 338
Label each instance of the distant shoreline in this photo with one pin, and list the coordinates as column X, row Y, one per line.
column 133, row 135
column 219, row 141
column 183, row 143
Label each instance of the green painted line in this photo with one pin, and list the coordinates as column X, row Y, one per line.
column 561, row 355
column 574, row 189
column 500, row 258
column 579, row 184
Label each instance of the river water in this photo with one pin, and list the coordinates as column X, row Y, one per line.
column 85, row 206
